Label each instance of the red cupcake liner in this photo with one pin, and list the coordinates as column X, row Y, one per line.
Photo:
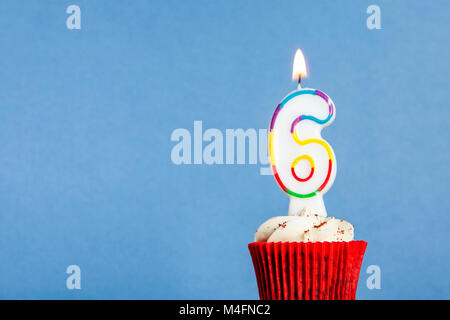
column 307, row 270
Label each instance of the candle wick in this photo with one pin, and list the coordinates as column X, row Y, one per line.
column 299, row 81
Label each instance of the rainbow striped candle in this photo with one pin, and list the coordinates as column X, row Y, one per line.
column 303, row 164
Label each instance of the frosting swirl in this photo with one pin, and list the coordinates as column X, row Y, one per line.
column 304, row 227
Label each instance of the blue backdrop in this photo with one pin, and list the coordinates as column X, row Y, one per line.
column 86, row 116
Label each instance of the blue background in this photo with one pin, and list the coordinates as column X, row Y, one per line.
column 86, row 117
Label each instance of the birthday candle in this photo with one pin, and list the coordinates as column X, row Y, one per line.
column 303, row 164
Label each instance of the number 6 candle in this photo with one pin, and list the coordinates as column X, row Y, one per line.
column 302, row 162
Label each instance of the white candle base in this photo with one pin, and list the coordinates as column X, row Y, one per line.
column 315, row 204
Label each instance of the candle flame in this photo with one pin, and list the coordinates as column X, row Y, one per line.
column 299, row 67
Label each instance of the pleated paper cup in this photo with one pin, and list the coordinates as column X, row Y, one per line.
column 307, row 270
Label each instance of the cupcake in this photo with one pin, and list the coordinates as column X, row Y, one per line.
column 306, row 257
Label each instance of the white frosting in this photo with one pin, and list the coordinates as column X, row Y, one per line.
column 305, row 227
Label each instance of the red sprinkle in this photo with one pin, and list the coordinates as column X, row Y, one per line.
column 317, row 227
